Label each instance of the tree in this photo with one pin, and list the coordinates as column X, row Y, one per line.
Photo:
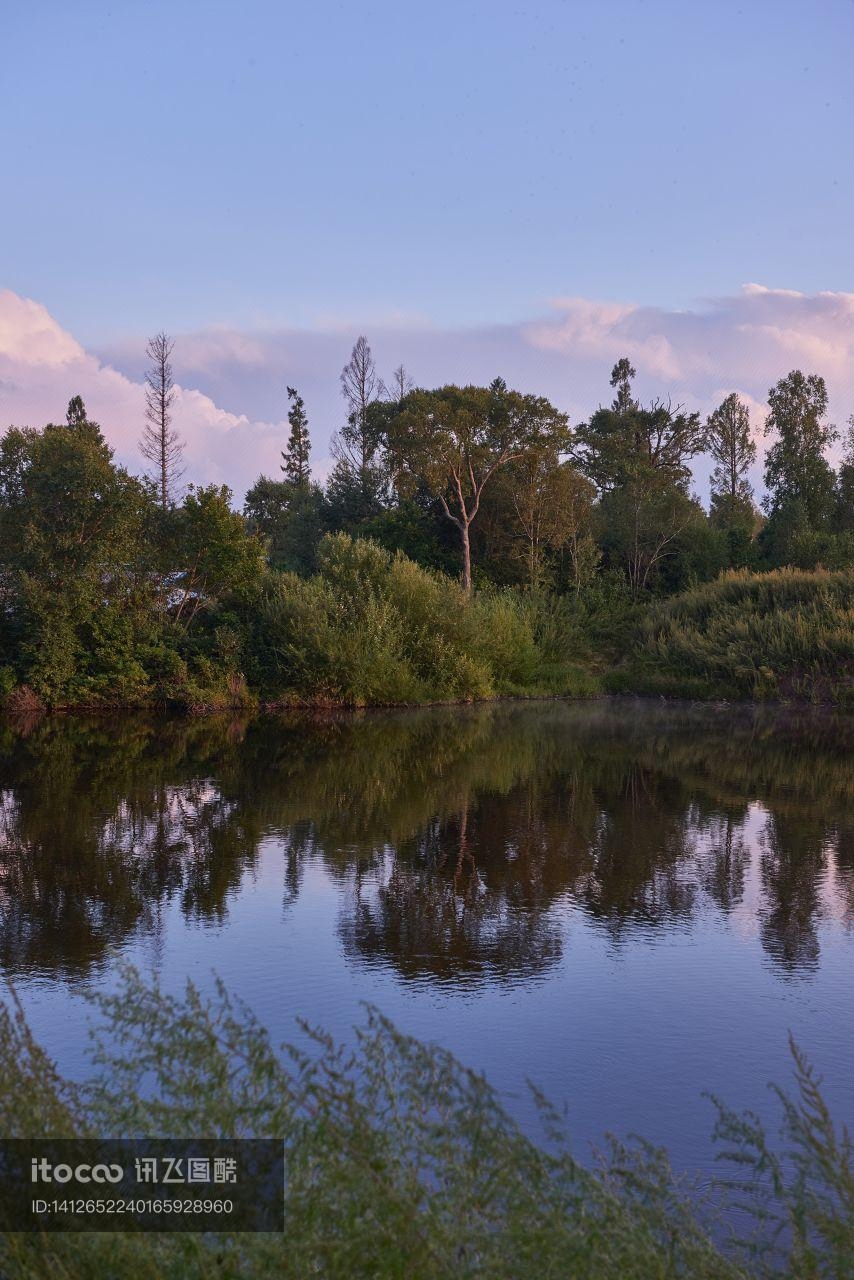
column 75, row 585
column 796, row 470
column 729, row 441
column 801, row 499
column 160, row 444
column 617, row 441
column 398, row 388
column 296, row 467
column 553, row 505
column 638, row 459
column 358, row 477
column 845, row 482
column 291, row 518
column 621, row 378
column 77, row 419
column 731, row 509
column 217, row 557
column 455, row 439
column 643, row 522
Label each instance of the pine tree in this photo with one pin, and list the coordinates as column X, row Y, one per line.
column 295, row 465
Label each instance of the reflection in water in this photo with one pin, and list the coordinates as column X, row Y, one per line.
column 453, row 834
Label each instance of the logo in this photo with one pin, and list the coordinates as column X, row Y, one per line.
column 43, row 1171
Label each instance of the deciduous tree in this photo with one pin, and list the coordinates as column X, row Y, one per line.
column 455, row 439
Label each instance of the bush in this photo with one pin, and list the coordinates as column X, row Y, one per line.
column 784, row 634
column 375, row 628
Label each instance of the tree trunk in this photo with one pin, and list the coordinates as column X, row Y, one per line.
column 464, row 534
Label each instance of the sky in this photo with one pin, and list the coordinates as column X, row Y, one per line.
column 483, row 188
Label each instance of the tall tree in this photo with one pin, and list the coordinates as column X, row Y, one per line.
column 638, row 459
column 732, row 511
column 797, row 474
column 845, row 482
column 729, row 441
column 553, row 506
column 218, row 556
column 358, row 478
column 160, row 444
column 621, row 379
column 295, row 466
column 618, row 440
column 74, row 571
column 454, row 440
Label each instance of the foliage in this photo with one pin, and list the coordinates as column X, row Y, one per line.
column 730, row 444
column 73, row 562
column 787, row 633
column 291, row 519
column 372, row 627
column 800, row 482
column 295, row 456
column 454, row 440
column 400, row 1162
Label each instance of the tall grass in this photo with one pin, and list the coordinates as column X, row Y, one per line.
column 372, row 628
column 402, row 1163
column 785, row 634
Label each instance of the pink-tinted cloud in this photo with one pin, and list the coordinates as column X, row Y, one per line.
column 42, row 367
column 232, row 405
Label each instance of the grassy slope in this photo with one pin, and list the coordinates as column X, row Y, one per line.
column 788, row 634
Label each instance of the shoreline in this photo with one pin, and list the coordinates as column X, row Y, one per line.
column 261, row 707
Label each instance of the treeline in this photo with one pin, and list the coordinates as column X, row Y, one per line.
column 499, row 488
column 468, row 542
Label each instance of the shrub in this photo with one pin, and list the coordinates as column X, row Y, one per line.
column 372, row 627
column 402, row 1163
column 787, row 633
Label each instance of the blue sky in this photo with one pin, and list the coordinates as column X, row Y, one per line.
column 270, row 164
column 529, row 190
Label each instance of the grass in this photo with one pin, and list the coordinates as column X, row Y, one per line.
column 788, row 634
column 402, row 1163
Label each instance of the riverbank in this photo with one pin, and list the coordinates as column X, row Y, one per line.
column 375, row 629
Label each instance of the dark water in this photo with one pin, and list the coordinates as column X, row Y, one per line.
column 625, row 902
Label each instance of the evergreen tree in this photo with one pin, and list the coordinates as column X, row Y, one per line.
column 296, row 465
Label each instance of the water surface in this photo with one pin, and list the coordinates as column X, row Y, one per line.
column 625, row 902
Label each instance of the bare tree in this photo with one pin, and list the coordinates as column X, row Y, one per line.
column 398, row 388
column 356, row 443
column 160, row 442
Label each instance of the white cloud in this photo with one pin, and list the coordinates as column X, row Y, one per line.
column 232, row 405
column 42, row 367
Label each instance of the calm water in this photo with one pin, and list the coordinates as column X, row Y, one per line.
column 625, row 902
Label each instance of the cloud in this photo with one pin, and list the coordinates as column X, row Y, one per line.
column 232, row 404
column 42, row 367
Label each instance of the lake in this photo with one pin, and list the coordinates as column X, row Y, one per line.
column 626, row 902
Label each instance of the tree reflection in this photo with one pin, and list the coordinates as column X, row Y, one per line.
column 463, row 841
